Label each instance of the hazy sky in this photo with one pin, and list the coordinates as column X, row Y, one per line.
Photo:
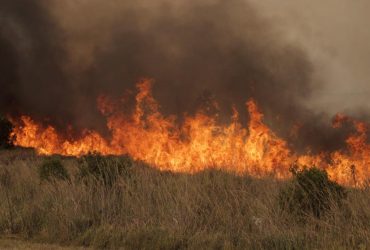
column 336, row 34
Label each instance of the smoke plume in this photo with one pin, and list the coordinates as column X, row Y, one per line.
column 57, row 57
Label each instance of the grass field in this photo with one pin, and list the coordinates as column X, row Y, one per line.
column 142, row 208
column 13, row 243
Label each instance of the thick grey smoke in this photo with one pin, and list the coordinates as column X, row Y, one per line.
column 56, row 57
column 31, row 58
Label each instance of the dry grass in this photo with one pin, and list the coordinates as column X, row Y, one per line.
column 148, row 209
column 11, row 243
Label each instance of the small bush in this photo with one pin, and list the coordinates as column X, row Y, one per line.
column 104, row 169
column 53, row 169
column 6, row 128
column 311, row 192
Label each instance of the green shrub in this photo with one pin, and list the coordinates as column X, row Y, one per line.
column 53, row 169
column 104, row 168
column 6, row 128
column 311, row 193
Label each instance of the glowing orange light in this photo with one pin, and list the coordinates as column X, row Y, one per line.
column 199, row 143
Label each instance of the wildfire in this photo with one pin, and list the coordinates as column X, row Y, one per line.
column 199, row 142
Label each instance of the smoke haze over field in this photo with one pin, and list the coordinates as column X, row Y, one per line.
column 335, row 35
column 57, row 57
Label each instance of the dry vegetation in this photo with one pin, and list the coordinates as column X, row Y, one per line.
column 15, row 243
column 136, row 207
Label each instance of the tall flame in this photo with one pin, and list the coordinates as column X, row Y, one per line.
column 199, row 143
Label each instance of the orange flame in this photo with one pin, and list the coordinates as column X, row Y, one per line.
column 199, row 143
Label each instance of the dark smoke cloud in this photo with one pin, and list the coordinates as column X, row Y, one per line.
column 53, row 69
column 32, row 56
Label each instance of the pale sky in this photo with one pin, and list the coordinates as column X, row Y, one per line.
column 336, row 34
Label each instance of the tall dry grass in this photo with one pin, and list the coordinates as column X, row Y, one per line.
column 147, row 209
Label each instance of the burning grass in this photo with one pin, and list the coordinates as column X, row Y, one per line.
column 200, row 142
column 143, row 208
